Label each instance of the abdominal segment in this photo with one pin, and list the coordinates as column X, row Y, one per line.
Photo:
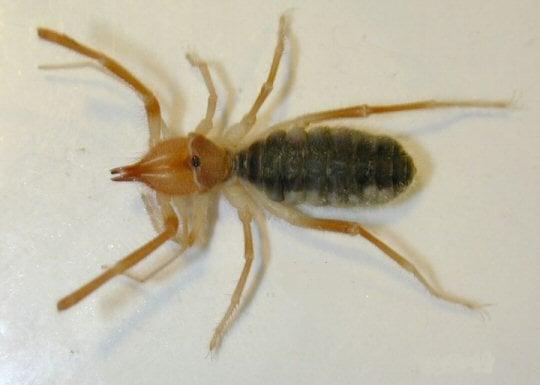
column 326, row 166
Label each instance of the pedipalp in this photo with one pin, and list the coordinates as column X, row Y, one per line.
column 121, row 266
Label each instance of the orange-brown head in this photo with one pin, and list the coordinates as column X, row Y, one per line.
column 180, row 166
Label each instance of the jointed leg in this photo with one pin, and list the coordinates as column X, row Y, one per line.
column 151, row 205
column 246, row 219
column 298, row 218
column 193, row 226
column 151, row 104
column 206, row 123
column 121, row 266
column 153, row 110
column 190, row 239
column 153, row 113
column 250, row 118
column 142, row 278
column 354, row 228
column 364, row 110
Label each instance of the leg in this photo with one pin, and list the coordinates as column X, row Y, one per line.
column 250, row 118
column 206, row 123
column 151, row 104
column 151, row 205
column 298, row 218
column 188, row 239
column 364, row 110
column 171, row 227
column 246, row 219
column 193, row 227
column 142, row 278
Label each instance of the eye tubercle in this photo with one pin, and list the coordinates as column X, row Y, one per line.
column 211, row 163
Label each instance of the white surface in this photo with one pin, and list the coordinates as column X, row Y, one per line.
column 331, row 309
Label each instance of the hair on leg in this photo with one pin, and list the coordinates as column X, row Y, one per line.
column 365, row 110
column 184, row 246
column 206, row 123
column 247, row 211
column 298, row 218
column 121, row 266
column 193, row 224
column 241, row 195
column 246, row 219
column 240, row 129
column 151, row 104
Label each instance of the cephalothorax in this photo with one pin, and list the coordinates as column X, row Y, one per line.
column 295, row 161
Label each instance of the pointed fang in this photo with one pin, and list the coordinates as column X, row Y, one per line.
column 127, row 173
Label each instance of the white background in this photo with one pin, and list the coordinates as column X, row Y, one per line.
column 331, row 309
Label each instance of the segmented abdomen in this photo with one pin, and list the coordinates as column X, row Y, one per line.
column 326, row 166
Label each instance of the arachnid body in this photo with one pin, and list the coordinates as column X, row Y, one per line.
column 296, row 161
column 326, row 166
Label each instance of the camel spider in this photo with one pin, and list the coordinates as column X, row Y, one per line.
column 291, row 165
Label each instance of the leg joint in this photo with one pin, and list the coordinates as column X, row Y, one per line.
column 249, row 120
column 267, row 88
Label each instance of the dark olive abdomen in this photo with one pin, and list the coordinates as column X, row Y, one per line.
column 326, row 166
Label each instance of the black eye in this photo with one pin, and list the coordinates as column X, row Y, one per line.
column 195, row 161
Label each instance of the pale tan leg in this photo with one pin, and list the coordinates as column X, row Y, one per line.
column 151, row 104
column 247, row 122
column 298, row 218
column 142, row 278
column 206, row 123
column 159, row 207
column 246, row 219
column 121, row 266
column 193, row 226
column 153, row 110
column 188, row 239
column 153, row 210
column 72, row 66
column 364, row 110
column 251, row 117
column 248, row 211
column 155, row 125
